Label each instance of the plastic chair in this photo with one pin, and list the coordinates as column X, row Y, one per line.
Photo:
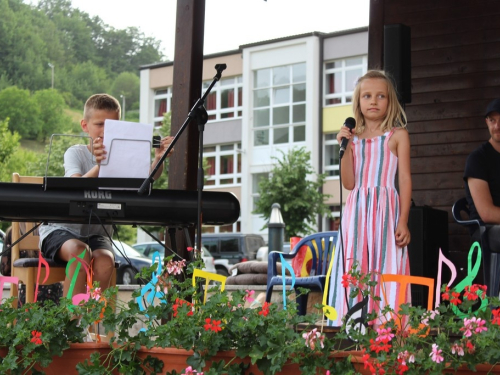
column 404, row 281
column 490, row 261
column 321, row 245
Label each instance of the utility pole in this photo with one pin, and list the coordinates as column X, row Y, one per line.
column 52, row 67
column 123, row 107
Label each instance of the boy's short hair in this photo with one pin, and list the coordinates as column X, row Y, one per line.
column 101, row 102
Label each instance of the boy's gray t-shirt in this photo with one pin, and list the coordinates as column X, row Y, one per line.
column 77, row 159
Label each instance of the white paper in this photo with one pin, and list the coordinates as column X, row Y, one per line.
column 128, row 146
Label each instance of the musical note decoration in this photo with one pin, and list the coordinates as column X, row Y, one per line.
column 329, row 311
column 208, row 276
column 41, row 262
column 286, row 266
column 148, row 292
column 472, row 271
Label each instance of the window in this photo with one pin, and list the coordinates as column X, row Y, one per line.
column 256, row 178
column 279, row 105
column 224, row 164
column 331, row 155
column 333, row 223
column 225, row 100
column 341, row 77
column 163, row 104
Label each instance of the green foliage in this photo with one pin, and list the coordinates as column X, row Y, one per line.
column 299, row 196
column 86, row 53
column 22, row 110
column 126, row 84
column 12, row 157
column 85, row 79
column 52, row 116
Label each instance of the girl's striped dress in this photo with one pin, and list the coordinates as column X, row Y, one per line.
column 368, row 225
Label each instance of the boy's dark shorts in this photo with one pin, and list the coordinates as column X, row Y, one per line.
column 53, row 242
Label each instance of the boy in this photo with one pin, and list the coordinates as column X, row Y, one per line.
column 62, row 242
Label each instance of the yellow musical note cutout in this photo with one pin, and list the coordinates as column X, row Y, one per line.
column 208, row 276
column 329, row 311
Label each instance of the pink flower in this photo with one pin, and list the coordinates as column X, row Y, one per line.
column 189, row 248
column 457, row 349
column 189, row 371
column 429, row 315
column 436, row 354
column 405, row 356
column 384, row 335
column 473, row 325
column 248, row 296
column 175, row 267
column 312, row 337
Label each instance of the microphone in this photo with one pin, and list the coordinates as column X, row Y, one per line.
column 350, row 123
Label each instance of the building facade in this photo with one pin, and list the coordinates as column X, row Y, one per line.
column 274, row 96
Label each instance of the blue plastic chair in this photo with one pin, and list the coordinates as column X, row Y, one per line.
column 322, row 245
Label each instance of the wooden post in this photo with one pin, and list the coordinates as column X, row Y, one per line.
column 187, row 81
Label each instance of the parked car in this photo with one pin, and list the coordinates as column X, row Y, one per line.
column 231, row 248
column 148, row 249
column 125, row 274
column 263, row 252
column 2, row 236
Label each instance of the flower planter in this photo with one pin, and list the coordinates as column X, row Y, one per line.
column 76, row 353
column 481, row 369
column 176, row 359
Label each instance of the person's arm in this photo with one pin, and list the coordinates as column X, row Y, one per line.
column 481, row 195
column 402, row 233
column 73, row 167
column 165, row 142
column 346, row 164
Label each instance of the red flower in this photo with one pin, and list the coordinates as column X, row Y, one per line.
column 213, row 325
column 36, row 337
column 216, row 326
column 208, row 326
column 265, row 309
column 455, row 300
column 379, row 346
column 496, row 316
column 180, row 302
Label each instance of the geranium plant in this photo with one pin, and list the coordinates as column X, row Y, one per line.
column 460, row 332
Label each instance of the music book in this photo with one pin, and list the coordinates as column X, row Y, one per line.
column 128, row 146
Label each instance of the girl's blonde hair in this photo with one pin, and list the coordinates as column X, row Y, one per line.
column 395, row 116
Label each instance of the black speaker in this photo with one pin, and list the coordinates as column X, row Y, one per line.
column 429, row 233
column 397, row 59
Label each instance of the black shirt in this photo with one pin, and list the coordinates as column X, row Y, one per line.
column 484, row 164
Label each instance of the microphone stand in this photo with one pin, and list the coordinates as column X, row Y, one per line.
column 199, row 113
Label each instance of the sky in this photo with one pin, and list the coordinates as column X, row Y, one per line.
column 231, row 23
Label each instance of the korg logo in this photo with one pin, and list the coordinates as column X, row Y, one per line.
column 97, row 194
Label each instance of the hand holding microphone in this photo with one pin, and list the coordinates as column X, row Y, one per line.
column 350, row 123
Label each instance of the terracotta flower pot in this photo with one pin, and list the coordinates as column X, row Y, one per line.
column 76, row 353
column 176, row 359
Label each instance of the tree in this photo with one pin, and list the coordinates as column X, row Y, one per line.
column 12, row 157
column 52, row 116
column 128, row 85
column 22, row 110
column 300, row 198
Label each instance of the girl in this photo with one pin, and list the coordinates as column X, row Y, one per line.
column 374, row 225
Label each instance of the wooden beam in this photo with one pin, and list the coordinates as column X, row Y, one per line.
column 376, row 35
column 187, row 81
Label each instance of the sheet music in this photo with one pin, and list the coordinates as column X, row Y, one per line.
column 128, row 146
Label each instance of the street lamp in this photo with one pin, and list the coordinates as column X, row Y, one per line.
column 52, row 67
column 275, row 229
column 123, row 106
